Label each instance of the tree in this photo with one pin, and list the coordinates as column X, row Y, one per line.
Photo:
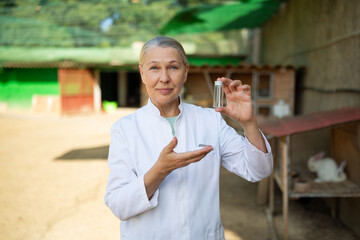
column 74, row 23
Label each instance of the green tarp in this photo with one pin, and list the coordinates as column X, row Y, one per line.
column 198, row 61
column 206, row 18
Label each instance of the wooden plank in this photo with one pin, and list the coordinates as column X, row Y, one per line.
column 271, row 193
column 284, row 178
column 273, row 143
column 209, row 82
column 346, row 146
column 346, row 188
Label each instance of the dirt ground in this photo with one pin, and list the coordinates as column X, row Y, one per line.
column 53, row 175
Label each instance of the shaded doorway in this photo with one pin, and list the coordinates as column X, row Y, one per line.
column 133, row 89
column 109, row 86
column 122, row 87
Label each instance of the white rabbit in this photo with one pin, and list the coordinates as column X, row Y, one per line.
column 326, row 168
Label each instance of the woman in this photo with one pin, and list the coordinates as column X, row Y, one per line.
column 165, row 158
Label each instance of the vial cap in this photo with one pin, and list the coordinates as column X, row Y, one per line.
column 218, row 83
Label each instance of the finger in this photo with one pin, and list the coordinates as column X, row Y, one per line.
column 234, row 85
column 193, row 160
column 247, row 89
column 193, row 154
column 226, row 81
column 189, row 161
column 220, row 109
column 223, row 110
column 226, row 89
column 170, row 147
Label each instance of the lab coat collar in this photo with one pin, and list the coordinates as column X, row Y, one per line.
column 154, row 110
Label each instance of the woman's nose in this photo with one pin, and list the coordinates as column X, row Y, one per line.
column 164, row 76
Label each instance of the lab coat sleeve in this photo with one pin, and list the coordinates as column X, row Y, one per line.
column 125, row 194
column 239, row 156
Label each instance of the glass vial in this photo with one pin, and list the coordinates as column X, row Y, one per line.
column 218, row 94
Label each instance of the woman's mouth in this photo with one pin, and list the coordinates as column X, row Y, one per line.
column 165, row 90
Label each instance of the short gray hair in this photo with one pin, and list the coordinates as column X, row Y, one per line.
column 163, row 42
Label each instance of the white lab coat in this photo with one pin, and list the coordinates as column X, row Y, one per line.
column 186, row 205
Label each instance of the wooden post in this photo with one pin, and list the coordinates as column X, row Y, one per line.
column 284, row 180
column 270, row 211
column 209, row 82
column 271, row 182
column 97, row 92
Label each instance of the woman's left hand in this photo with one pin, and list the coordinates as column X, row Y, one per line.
column 238, row 96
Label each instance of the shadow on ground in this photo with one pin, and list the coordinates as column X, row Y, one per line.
column 241, row 216
column 94, row 153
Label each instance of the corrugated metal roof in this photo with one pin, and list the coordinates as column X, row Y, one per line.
column 22, row 57
column 310, row 122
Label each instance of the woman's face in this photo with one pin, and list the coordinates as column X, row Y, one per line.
column 163, row 72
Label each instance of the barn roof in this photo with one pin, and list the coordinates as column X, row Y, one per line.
column 23, row 57
column 66, row 57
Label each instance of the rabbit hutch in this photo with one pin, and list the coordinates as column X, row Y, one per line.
column 294, row 140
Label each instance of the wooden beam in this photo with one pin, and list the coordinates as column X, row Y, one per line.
column 284, row 178
column 209, row 82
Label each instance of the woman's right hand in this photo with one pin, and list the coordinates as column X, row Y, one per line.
column 168, row 161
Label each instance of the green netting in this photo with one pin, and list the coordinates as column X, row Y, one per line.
column 205, row 18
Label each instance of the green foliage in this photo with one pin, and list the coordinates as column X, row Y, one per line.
column 81, row 23
column 69, row 23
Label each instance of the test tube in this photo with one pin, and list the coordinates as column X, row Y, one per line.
column 218, row 94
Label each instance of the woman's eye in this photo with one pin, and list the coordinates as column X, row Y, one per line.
column 153, row 68
column 174, row 67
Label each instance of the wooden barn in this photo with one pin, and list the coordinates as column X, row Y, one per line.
column 68, row 81
column 87, row 84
